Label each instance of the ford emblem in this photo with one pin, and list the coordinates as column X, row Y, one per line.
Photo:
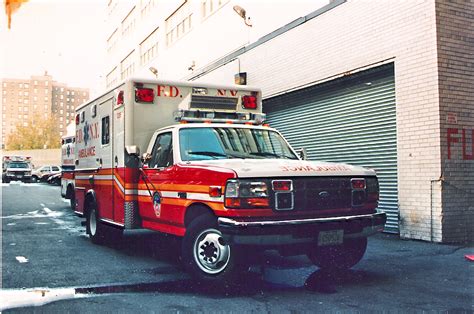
column 324, row 194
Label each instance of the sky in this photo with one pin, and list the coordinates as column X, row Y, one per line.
column 67, row 39
column 63, row 37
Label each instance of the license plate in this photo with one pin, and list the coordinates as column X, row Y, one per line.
column 19, row 176
column 333, row 237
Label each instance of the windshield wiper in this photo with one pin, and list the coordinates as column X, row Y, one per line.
column 206, row 153
column 269, row 154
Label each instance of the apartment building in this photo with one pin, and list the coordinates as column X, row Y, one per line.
column 23, row 100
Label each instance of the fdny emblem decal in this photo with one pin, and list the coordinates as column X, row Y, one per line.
column 157, row 204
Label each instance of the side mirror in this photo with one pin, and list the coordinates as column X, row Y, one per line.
column 302, row 153
column 132, row 150
column 146, row 158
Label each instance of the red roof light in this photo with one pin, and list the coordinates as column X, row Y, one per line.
column 145, row 95
column 249, row 102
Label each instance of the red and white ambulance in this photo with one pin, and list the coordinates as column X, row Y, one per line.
column 196, row 161
column 67, row 168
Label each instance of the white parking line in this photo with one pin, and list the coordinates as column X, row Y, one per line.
column 21, row 259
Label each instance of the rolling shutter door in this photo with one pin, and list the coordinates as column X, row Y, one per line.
column 349, row 120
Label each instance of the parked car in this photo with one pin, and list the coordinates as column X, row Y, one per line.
column 55, row 179
column 17, row 171
column 44, row 172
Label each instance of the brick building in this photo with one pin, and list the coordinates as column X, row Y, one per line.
column 39, row 96
column 382, row 84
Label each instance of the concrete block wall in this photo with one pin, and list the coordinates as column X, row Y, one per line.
column 455, row 34
column 39, row 157
column 357, row 35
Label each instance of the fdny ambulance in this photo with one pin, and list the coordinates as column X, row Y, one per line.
column 197, row 161
column 67, row 168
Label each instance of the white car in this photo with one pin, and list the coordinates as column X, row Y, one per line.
column 17, row 171
column 44, row 172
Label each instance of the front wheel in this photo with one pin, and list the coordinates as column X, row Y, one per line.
column 34, row 179
column 339, row 257
column 205, row 253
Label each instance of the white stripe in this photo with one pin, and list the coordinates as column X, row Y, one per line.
column 96, row 177
column 119, row 184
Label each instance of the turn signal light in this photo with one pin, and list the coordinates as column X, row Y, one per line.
column 249, row 102
column 358, row 184
column 282, row 185
column 144, row 95
column 215, row 191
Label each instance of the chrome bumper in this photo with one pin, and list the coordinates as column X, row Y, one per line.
column 280, row 232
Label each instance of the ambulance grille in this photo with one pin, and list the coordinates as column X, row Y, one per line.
column 206, row 102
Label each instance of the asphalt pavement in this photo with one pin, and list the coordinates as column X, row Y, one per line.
column 50, row 266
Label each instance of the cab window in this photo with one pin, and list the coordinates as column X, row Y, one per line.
column 162, row 153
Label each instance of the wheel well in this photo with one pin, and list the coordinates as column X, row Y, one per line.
column 89, row 200
column 196, row 210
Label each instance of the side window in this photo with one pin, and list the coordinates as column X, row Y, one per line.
column 55, row 168
column 162, row 153
column 105, row 130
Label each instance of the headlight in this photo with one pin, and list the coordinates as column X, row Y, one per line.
column 246, row 194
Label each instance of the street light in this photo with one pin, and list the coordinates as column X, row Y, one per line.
column 241, row 12
column 154, row 71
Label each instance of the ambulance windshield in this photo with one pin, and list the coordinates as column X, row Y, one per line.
column 232, row 142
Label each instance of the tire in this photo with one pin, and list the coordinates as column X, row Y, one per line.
column 341, row 257
column 34, row 179
column 72, row 197
column 204, row 254
column 94, row 228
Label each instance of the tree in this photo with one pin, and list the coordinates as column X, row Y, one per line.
column 39, row 134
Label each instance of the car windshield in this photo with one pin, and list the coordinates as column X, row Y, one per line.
column 232, row 142
column 18, row 165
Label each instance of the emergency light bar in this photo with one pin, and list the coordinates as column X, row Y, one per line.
column 219, row 117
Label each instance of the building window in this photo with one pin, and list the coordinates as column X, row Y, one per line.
column 112, row 42
column 46, row 83
column 179, row 23
column 127, row 66
column 208, row 7
column 128, row 23
column 35, row 82
column 27, row 85
column 21, row 85
column 149, row 48
column 35, row 90
column 4, row 84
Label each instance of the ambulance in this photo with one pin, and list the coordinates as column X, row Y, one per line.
column 197, row 161
column 67, row 168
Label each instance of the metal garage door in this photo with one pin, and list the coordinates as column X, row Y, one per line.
column 350, row 120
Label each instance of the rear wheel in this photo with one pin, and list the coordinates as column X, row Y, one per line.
column 339, row 257
column 72, row 197
column 204, row 252
column 95, row 228
column 34, row 179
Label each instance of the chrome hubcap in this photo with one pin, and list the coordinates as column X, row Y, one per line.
column 92, row 223
column 210, row 252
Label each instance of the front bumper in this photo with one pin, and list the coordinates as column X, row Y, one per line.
column 283, row 232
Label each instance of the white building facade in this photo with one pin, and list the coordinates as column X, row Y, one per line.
column 383, row 84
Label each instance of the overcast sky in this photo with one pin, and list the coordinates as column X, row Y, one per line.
column 66, row 38
column 63, row 37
